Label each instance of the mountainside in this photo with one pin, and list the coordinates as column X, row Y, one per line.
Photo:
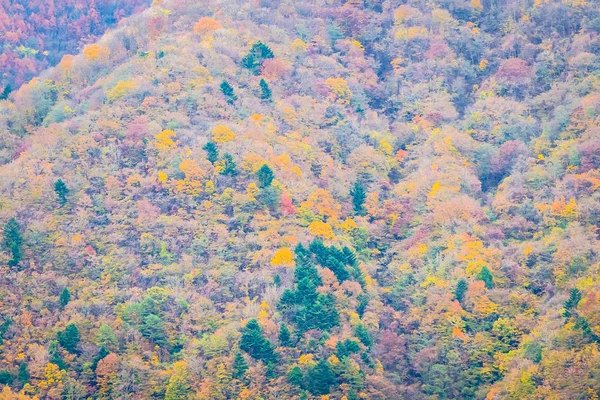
column 308, row 200
column 35, row 34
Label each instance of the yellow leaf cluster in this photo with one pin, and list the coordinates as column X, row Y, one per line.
column 162, row 177
column 283, row 256
column 321, row 229
column 223, row 134
column 164, row 140
column 339, row 87
column 191, row 169
column 95, row 51
column 120, row 90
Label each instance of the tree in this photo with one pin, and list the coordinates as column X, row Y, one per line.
column 13, row 241
column 461, row 289
column 23, row 374
column 106, row 336
column 153, row 328
column 254, row 59
column 359, row 196
column 55, row 357
column 265, row 176
column 69, row 338
column 257, row 346
column 228, row 92
column 178, row 387
column 6, row 92
column 486, row 276
column 363, row 335
column 65, row 297
column 212, row 152
column 227, row 166
column 572, row 302
column 319, row 378
column 295, row 377
column 265, row 91
column 240, row 366
column 6, row 378
column 285, row 338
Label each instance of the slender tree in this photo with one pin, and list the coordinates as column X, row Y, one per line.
column 13, row 241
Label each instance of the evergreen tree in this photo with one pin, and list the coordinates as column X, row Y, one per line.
column 153, row 329
column 257, row 346
column 265, row 91
column 5, row 92
column 359, row 195
column 461, row 289
column 228, row 92
column 265, row 176
column 285, row 338
column 319, row 378
column 13, row 241
column 23, row 374
column 212, row 152
column 229, row 167
column 61, row 191
column 363, row 335
column 65, row 297
column 295, row 377
column 69, row 338
column 486, row 276
column 572, row 302
column 257, row 55
column 103, row 352
column 240, row 366
column 6, row 378
column 55, row 357
column 347, row 347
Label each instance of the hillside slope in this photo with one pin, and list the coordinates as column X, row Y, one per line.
column 270, row 199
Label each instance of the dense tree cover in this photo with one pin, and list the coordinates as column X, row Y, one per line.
column 37, row 33
column 271, row 199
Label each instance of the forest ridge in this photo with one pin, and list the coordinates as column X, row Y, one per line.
column 271, row 199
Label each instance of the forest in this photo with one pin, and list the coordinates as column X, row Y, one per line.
column 306, row 200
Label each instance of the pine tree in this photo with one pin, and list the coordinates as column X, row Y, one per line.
column 55, row 357
column 320, row 378
column 240, row 366
column 69, row 338
column 65, row 297
column 461, row 289
column 256, row 345
column 486, row 276
column 13, row 241
column 153, row 328
column 257, row 55
column 265, row 91
column 5, row 92
column 363, row 335
column 61, row 191
column 212, row 152
column 228, row 92
column 265, row 176
column 359, row 196
column 229, row 167
column 295, row 377
column 103, row 352
column 572, row 302
column 23, row 374
column 285, row 338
